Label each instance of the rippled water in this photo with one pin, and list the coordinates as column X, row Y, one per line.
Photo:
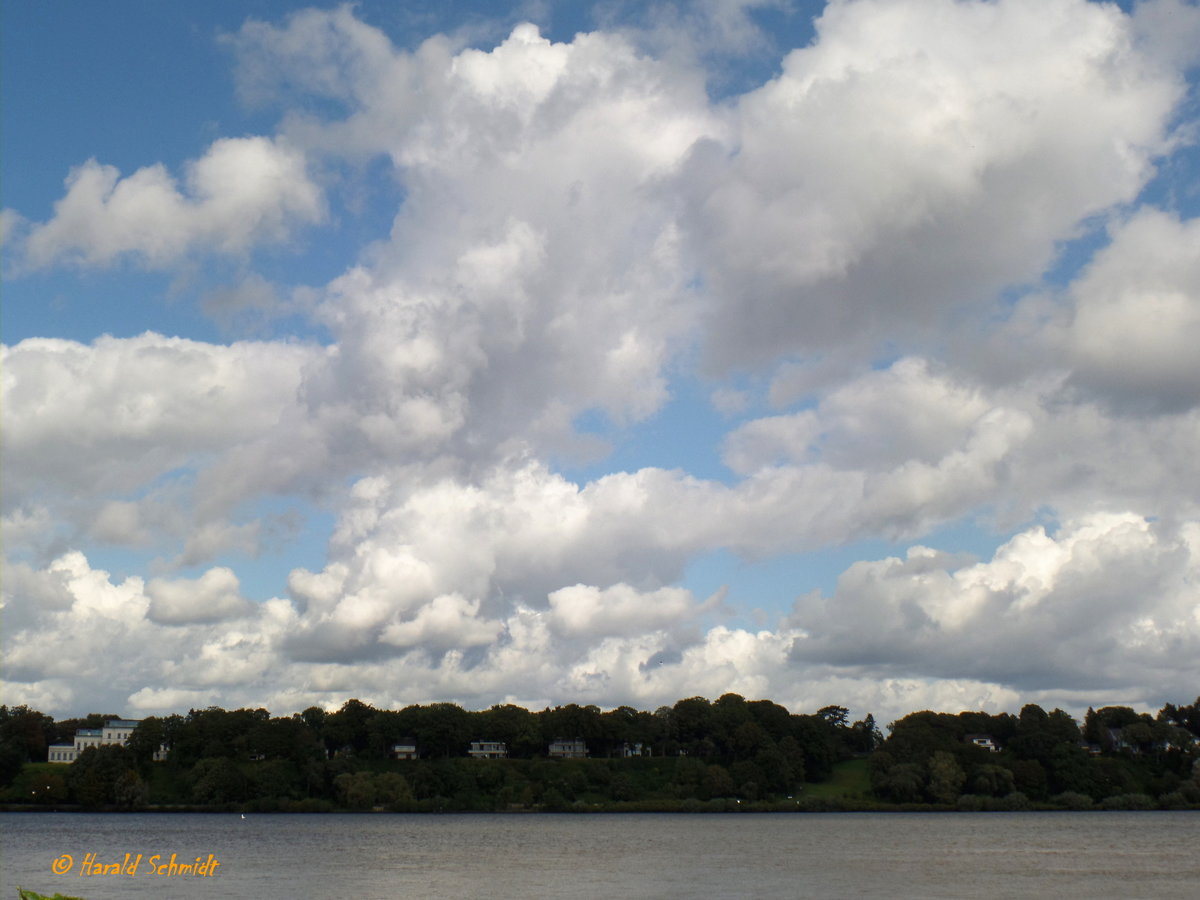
column 893, row 855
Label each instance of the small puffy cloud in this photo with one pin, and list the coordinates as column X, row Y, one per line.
column 249, row 305
column 167, row 701
column 584, row 610
column 904, row 412
column 213, row 597
column 12, row 223
column 449, row 620
column 243, row 191
column 120, row 522
column 729, row 401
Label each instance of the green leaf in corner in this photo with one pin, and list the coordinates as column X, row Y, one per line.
column 34, row 895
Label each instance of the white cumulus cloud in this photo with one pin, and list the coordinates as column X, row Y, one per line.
column 241, row 192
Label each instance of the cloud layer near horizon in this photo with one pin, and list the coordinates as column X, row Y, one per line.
column 851, row 256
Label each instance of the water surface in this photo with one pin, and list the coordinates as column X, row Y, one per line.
column 892, row 855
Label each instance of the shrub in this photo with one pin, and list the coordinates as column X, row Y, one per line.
column 1129, row 801
column 1014, row 802
column 1072, row 800
column 971, row 803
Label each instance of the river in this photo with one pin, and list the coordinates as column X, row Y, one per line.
column 819, row 855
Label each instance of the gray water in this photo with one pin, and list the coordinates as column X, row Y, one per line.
column 892, row 855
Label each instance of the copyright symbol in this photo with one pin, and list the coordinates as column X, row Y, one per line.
column 62, row 865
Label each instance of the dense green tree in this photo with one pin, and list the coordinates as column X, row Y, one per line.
column 210, row 733
column 356, row 790
column 946, row 777
column 392, row 790
column 1069, row 770
column 1040, row 733
column 25, row 729
column 917, row 736
column 899, row 783
column 1187, row 717
column 691, row 722
column 443, row 729
column 774, row 719
column 219, row 780
column 282, row 738
column 92, row 777
column 1029, row 777
column 146, row 740
column 837, row 716
column 129, row 790
column 864, row 736
column 631, row 726
column 991, row 781
column 749, row 778
column 1099, row 724
column 717, row 782
column 514, row 725
column 12, row 759
column 1112, row 776
column 345, row 731
column 793, row 756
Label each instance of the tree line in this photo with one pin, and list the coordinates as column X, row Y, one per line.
column 727, row 753
column 1117, row 759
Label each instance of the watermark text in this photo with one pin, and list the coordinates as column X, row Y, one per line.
column 134, row 864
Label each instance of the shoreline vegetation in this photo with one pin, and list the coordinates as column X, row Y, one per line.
column 727, row 755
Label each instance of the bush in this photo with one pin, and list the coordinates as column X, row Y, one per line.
column 1014, row 802
column 1129, row 801
column 1072, row 800
column 971, row 803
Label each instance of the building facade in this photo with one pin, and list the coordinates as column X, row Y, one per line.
column 564, row 749
column 406, row 748
column 488, row 750
column 114, row 731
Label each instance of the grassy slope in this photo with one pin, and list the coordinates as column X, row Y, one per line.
column 849, row 780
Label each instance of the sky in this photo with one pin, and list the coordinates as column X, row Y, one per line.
column 608, row 353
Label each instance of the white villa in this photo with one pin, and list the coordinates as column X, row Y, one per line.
column 982, row 740
column 564, row 749
column 488, row 750
column 405, row 748
column 115, row 731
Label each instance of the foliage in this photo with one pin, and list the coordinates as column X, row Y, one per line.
column 101, row 777
column 727, row 753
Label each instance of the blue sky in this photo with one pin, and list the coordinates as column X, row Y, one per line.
column 457, row 351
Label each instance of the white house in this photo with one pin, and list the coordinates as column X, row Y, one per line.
column 982, row 740
column 564, row 749
column 114, row 731
column 405, row 748
column 488, row 750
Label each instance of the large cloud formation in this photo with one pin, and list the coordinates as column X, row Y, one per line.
column 863, row 239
